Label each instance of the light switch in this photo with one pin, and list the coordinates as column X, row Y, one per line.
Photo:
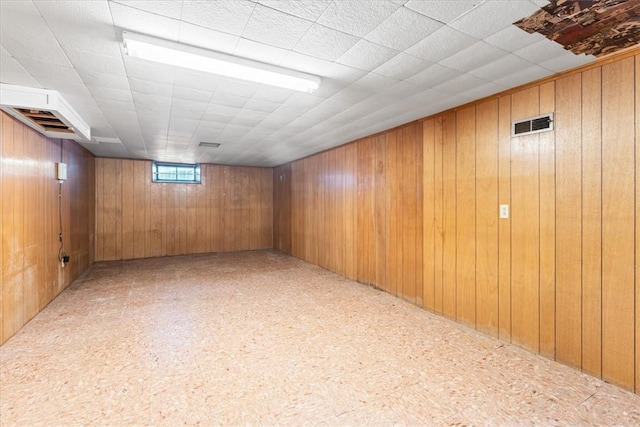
column 504, row 211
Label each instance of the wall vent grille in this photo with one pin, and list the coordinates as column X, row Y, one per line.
column 532, row 125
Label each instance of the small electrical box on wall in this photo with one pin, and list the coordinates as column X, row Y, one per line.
column 61, row 172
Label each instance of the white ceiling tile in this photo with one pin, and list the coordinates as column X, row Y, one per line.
column 26, row 8
column 196, row 79
column 228, row 16
column 179, row 126
column 94, row 62
column 403, row 29
column 188, row 109
column 261, row 105
column 22, row 34
column 150, row 88
column 442, row 43
column 481, row 91
column 260, row 51
column 567, row 61
column 402, row 66
column 400, row 90
column 303, row 100
column 104, row 80
column 501, row 67
column 191, row 94
column 459, row 84
column 99, row 92
column 433, row 76
column 543, row 50
column 442, row 10
column 366, row 55
column 247, row 120
column 322, row 68
column 170, row 9
column 513, row 38
column 135, row 20
column 4, row 52
column 474, row 56
column 307, row 9
column 93, row 17
column 151, row 100
column 275, row 28
column 237, row 88
column 272, row 94
column 207, row 38
column 523, row 76
column 373, row 83
column 225, row 99
column 356, row 17
column 116, row 105
column 65, row 88
column 492, row 16
column 216, row 113
column 40, row 44
column 45, row 69
column 12, row 72
column 325, row 43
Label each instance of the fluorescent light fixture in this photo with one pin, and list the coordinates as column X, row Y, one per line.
column 180, row 55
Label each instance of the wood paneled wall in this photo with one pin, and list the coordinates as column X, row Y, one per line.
column 414, row 211
column 30, row 274
column 230, row 210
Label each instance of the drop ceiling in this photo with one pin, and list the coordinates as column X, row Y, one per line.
column 382, row 64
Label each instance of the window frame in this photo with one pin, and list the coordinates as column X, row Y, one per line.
column 191, row 167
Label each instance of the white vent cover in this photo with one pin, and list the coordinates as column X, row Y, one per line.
column 531, row 125
column 45, row 111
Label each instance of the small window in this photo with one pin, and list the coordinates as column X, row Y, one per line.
column 176, row 172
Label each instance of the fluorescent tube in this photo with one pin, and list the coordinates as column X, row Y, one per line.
column 180, row 55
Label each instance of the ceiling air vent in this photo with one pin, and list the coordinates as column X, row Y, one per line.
column 45, row 111
column 532, row 125
column 209, row 144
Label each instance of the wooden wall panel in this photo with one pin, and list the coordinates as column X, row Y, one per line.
column 504, row 224
column 591, row 222
column 618, row 163
column 525, row 225
column 30, row 274
column 466, row 216
column 560, row 276
column 637, row 218
column 230, row 210
column 411, row 196
column 438, row 168
column 449, row 215
column 381, row 212
column 393, row 205
column 366, row 178
column 547, row 227
column 486, row 160
column 429, row 215
column 569, row 220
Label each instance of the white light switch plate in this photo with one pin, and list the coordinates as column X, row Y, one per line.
column 504, row 211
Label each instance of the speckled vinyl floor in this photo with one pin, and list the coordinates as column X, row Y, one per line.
column 261, row 338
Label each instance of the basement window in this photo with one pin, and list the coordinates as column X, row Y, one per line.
column 178, row 173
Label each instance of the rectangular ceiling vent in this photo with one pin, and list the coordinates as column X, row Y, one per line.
column 209, row 144
column 532, row 125
column 45, row 111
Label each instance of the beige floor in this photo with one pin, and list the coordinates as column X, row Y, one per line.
column 263, row 338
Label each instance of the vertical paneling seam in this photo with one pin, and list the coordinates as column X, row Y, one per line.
column 475, row 216
column 601, row 225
